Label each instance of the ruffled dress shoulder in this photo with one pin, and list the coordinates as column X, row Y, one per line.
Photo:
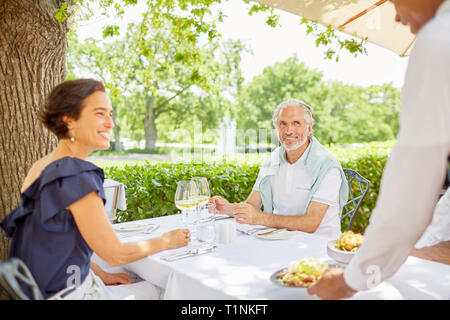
column 44, row 233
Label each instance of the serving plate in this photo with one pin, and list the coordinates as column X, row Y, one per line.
column 273, row 277
column 339, row 255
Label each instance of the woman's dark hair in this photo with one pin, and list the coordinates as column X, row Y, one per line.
column 66, row 100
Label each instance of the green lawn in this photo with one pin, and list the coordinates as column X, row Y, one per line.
column 116, row 163
column 241, row 158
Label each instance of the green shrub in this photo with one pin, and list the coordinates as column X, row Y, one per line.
column 150, row 188
column 369, row 160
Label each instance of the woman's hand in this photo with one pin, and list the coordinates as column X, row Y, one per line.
column 112, row 279
column 176, row 238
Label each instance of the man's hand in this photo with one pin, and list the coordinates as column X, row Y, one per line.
column 332, row 286
column 439, row 252
column 222, row 206
column 246, row 213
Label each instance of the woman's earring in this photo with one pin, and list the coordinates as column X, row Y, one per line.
column 71, row 136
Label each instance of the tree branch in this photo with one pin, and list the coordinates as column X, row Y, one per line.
column 157, row 109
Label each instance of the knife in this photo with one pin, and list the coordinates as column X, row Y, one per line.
column 222, row 218
column 270, row 232
column 189, row 253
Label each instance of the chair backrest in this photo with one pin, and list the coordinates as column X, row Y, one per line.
column 111, row 193
column 358, row 187
column 13, row 273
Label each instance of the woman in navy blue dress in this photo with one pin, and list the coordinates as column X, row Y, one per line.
column 61, row 218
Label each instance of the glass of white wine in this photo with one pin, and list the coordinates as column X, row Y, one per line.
column 183, row 201
column 202, row 196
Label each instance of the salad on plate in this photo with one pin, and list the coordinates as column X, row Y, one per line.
column 349, row 241
column 303, row 273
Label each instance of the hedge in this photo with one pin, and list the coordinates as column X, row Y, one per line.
column 150, row 187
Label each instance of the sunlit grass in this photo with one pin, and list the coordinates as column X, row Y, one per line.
column 116, row 163
column 249, row 158
column 342, row 153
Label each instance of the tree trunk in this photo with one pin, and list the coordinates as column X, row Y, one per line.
column 117, row 144
column 150, row 131
column 33, row 48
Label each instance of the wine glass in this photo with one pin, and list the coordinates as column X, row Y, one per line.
column 203, row 194
column 184, row 202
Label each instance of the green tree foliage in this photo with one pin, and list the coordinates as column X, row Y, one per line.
column 343, row 113
column 152, row 77
column 106, row 63
column 279, row 82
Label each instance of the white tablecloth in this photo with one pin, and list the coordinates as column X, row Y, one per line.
column 242, row 270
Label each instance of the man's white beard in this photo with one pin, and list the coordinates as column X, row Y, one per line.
column 295, row 146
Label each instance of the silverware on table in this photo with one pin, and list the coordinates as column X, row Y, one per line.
column 148, row 230
column 189, row 253
column 252, row 231
column 222, row 218
column 271, row 232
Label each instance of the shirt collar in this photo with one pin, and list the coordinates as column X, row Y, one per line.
column 444, row 7
column 302, row 159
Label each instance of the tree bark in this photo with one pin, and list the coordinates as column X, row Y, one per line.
column 150, row 131
column 117, row 143
column 33, row 47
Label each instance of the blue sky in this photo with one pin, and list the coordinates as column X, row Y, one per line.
column 271, row 45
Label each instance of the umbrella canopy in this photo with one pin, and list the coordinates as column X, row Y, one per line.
column 371, row 19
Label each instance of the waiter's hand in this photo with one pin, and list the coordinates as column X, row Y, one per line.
column 332, row 286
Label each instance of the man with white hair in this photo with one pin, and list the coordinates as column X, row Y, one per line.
column 301, row 185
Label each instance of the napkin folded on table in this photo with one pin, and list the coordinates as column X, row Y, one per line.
column 249, row 227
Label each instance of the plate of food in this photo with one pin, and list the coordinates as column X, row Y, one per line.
column 300, row 274
column 343, row 249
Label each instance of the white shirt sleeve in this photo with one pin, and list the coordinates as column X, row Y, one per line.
column 328, row 191
column 415, row 171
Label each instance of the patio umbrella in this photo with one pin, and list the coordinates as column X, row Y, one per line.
column 371, row 19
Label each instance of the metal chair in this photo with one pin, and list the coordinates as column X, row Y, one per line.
column 115, row 198
column 14, row 272
column 358, row 186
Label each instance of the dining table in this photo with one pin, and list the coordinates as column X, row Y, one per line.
column 244, row 268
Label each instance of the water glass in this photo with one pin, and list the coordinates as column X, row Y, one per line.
column 206, row 211
column 206, row 231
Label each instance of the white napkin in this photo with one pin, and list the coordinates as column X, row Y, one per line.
column 249, row 227
column 280, row 234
